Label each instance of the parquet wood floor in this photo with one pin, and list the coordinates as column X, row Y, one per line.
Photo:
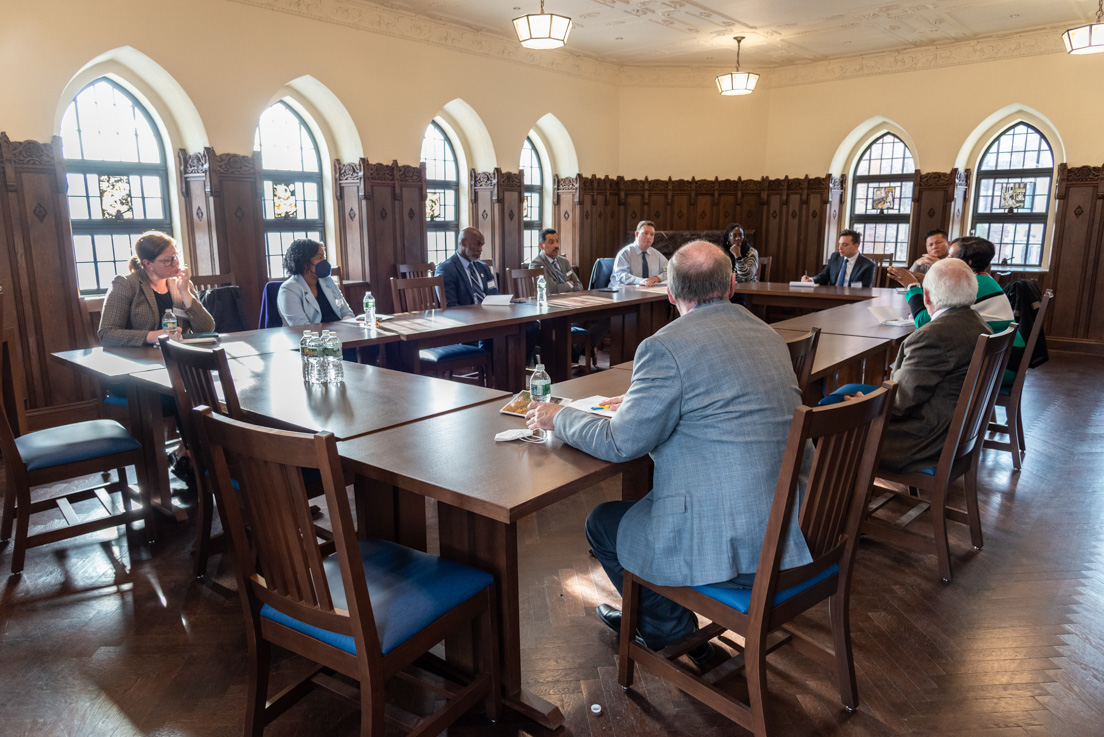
column 99, row 637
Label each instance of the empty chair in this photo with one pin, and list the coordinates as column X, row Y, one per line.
column 416, row 271
column 803, row 354
column 848, row 440
column 59, row 454
column 958, row 459
column 765, row 268
column 210, row 281
column 1009, row 396
column 419, row 295
column 270, row 310
column 366, row 611
column 600, row 273
column 523, row 282
column 882, row 261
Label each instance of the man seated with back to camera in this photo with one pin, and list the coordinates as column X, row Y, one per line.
column 715, row 379
column 561, row 278
column 930, row 369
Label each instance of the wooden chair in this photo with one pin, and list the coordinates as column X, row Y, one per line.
column 765, row 267
column 848, row 440
column 958, row 459
column 367, row 611
column 419, row 295
column 882, row 261
column 1009, row 396
column 209, row 281
column 416, row 271
column 59, row 454
column 524, row 283
column 803, row 354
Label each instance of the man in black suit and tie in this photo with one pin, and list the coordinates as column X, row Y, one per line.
column 467, row 279
column 847, row 267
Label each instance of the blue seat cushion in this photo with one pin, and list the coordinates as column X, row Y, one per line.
column 579, row 330
column 409, row 590
column 927, row 471
column 451, row 353
column 740, row 598
column 1005, row 390
column 81, row 441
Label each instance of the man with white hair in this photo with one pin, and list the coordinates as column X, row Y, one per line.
column 930, row 369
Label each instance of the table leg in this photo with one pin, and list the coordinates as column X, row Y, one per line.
column 145, row 415
column 512, row 362
column 636, row 479
column 492, row 546
column 389, row 513
column 555, row 347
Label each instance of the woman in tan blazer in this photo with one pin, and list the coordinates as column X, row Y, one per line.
column 157, row 281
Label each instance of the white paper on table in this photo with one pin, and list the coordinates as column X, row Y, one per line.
column 886, row 315
column 592, row 405
column 800, row 283
column 497, row 300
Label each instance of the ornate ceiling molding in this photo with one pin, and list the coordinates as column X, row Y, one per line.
column 367, row 16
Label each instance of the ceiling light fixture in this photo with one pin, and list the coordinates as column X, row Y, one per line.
column 543, row 31
column 1087, row 39
column 737, row 83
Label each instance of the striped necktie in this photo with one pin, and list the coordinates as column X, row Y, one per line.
column 476, row 284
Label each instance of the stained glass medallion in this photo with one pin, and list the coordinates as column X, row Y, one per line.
column 115, row 197
column 283, row 199
column 433, row 205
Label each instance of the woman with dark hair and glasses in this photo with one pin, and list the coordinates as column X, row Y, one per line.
column 158, row 281
column 309, row 296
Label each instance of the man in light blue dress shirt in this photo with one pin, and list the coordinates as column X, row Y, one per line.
column 637, row 264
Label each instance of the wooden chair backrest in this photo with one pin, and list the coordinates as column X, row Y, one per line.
column 848, row 438
column 192, row 370
column 93, row 307
column 765, row 267
column 418, row 295
column 209, row 281
column 279, row 561
column 1032, row 339
column 976, row 400
column 13, row 419
column 416, row 271
column 803, row 354
column 882, row 261
column 524, row 281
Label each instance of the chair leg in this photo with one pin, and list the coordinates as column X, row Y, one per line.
column 22, row 528
column 630, row 602
column 9, row 510
column 1015, row 433
column 257, row 694
column 973, row 513
column 488, row 649
column 755, row 663
column 939, row 533
column 204, row 518
column 371, row 708
column 845, row 662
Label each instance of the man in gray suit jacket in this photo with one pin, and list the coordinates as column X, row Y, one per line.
column 711, row 400
column 561, row 278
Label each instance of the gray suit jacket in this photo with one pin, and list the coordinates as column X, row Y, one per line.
column 929, row 372
column 711, row 401
column 130, row 312
column 572, row 281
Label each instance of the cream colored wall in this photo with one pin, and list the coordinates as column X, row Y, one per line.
column 230, row 59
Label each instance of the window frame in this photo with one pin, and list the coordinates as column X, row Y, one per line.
column 902, row 217
column 449, row 228
column 290, row 229
column 531, row 228
column 1004, row 218
column 130, row 228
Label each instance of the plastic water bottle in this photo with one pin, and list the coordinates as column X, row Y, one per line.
column 540, row 386
column 316, row 371
column 304, row 353
column 542, row 291
column 369, row 311
column 168, row 321
column 335, row 371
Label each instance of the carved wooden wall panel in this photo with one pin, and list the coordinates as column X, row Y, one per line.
column 937, row 202
column 350, row 228
column 201, row 239
column 38, row 271
column 497, row 209
column 1077, row 263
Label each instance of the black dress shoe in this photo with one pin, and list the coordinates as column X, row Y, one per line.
column 612, row 618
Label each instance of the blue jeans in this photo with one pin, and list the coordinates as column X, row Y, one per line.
column 660, row 621
column 838, row 395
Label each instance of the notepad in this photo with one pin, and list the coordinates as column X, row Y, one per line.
column 886, row 315
column 497, row 300
column 800, row 283
column 199, row 338
column 592, row 405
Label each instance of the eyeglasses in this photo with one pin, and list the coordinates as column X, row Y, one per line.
column 171, row 261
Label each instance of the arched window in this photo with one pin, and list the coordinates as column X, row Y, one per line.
column 1012, row 195
column 291, row 171
column 534, row 204
column 442, row 193
column 881, row 198
column 117, row 178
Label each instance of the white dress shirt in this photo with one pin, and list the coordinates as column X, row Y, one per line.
column 627, row 266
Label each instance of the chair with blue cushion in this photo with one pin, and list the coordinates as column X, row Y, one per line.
column 601, row 273
column 59, row 454
column 848, row 441
column 270, row 311
column 426, row 293
column 803, row 354
column 367, row 611
column 958, row 459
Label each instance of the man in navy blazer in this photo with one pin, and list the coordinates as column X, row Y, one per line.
column 467, row 279
column 847, row 267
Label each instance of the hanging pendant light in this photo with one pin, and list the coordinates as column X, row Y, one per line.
column 543, row 31
column 737, row 83
column 1087, row 39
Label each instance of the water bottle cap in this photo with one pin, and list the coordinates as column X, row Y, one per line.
column 540, row 367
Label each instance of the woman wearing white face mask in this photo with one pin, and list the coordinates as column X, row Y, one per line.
column 309, row 296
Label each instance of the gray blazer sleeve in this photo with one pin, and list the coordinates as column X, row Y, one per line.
column 924, row 363
column 645, row 419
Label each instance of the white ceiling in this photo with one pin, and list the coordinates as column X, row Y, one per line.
column 779, row 32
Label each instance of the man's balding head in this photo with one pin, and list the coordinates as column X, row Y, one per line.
column 699, row 272
column 471, row 244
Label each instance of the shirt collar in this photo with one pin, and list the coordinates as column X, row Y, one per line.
column 939, row 312
column 464, row 260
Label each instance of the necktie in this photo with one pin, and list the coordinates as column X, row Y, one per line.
column 644, row 265
column 476, row 284
column 560, row 278
column 842, row 280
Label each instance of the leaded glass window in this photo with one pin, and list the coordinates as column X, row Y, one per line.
column 1012, row 195
column 881, row 197
column 291, row 173
column 442, row 194
column 117, row 180
column 534, row 188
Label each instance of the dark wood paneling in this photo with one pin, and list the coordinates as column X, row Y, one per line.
column 38, row 271
column 498, row 210
column 1076, row 268
column 937, row 202
column 201, row 241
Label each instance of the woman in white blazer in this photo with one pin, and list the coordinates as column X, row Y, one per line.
column 309, row 296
